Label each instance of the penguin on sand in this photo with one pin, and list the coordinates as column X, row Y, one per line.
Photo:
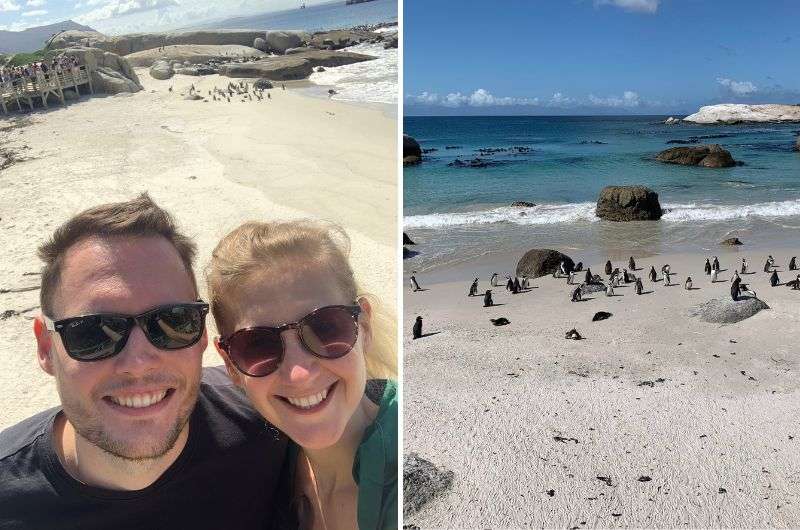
column 487, row 299
column 652, row 273
column 744, row 265
column 588, row 277
column 793, row 263
column 639, row 286
column 413, row 280
column 667, row 280
column 688, row 283
column 625, row 276
column 493, row 281
column 473, row 289
column 714, row 275
column 767, row 266
column 609, row 268
column 735, row 289
column 509, row 284
column 416, row 331
column 517, row 288
column 715, row 264
column 631, row 264
column 576, row 295
column 794, row 284
column 708, row 266
column 773, row 280
column 610, row 289
column 735, row 276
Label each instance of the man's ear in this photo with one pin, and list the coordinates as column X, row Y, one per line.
column 233, row 372
column 44, row 344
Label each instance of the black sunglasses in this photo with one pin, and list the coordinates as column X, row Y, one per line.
column 103, row 335
column 329, row 332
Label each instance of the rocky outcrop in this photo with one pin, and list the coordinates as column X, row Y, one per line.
column 407, row 240
column 127, row 44
column 197, row 70
column 262, row 84
column 701, row 155
column 628, row 203
column 111, row 74
column 290, row 67
column 412, row 152
column 422, row 482
column 391, row 42
column 731, row 242
column 260, row 44
column 161, row 70
column 523, row 204
column 726, row 311
column 194, row 54
column 279, row 41
column 671, row 121
column 732, row 113
column 541, row 262
column 341, row 38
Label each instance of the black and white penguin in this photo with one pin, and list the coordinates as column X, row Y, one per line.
column 473, row 289
column 735, row 289
column 744, row 265
column 609, row 268
column 735, row 276
column 652, row 273
column 688, row 283
column 714, row 275
column 517, row 288
column 579, row 267
column 708, row 266
column 625, row 276
column 610, row 289
column 588, row 277
column 665, row 269
column 576, row 295
column 639, row 286
column 487, row 299
column 773, row 280
column 667, row 280
column 510, row 284
column 793, row 263
column 715, row 264
column 416, row 331
column 771, row 260
column 631, row 264
column 493, row 281
column 767, row 266
column 794, row 284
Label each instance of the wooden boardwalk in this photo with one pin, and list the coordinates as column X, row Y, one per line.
column 27, row 90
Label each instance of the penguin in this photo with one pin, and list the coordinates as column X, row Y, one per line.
column 744, row 265
column 735, row 289
column 588, row 277
column 639, row 286
column 579, row 266
column 573, row 334
column 502, row 321
column 562, row 268
column 767, row 266
column 571, row 278
column 735, row 276
column 576, row 295
column 688, row 283
column 625, row 276
column 609, row 268
column 487, row 299
column 517, row 287
column 714, row 275
column 473, row 289
column 665, row 269
column 631, row 264
column 610, row 289
column 715, row 265
column 667, row 281
column 793, row 263
column 509, row 284
column 413, row 280
column 493, row 281
column 773, row 280
column 708, row 266
column 771, row 260
column 525, row 284
column 416, row 331
column 794, row 284
column 652, row 273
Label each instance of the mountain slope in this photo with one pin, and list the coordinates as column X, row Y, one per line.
column 35, row 38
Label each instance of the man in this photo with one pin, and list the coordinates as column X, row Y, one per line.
column 138, row 441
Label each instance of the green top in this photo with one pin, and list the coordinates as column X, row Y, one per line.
column 375, row 464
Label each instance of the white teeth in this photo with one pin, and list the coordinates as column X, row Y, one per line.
column 308, row 402
column 139, row 400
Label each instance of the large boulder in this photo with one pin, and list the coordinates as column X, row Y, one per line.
column 701, row 155
column 289, row 67
column 412, row 152
column 726, row 311
column 111, row 74
column 422, row 482
column 161, row 70
column 279, row 41
column 628, row 203
column 541, row 262
column 190, row 54
column 260, row 44
column 136, row 42
column 341, row 38
column 731, row 242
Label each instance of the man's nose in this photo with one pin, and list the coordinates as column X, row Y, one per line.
column 138, row 356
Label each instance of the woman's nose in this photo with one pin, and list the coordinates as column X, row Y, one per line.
column 298, row 363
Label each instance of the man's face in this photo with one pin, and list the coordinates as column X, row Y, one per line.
column 103, row 400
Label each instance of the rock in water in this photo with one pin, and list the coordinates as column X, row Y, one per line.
column 541, row 262
column 671, row 121
column 161, row 70
column 522, row 204
column 700, row 155
column 628, row 203
column 730, row 113
column 726, row 311
column 280, row 41
column 407, row 240
column 412, row 153
column 422, row 482
column 731, row 241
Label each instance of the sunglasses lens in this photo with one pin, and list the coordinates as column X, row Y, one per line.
column 95, row 337
column 256, row 352
column 330, row 332
column 175, row 327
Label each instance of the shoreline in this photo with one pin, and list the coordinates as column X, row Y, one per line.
column 704, row 411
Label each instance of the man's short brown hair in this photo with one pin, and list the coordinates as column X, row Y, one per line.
column 140, row 217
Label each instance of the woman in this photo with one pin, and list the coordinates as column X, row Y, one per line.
column 313, row 357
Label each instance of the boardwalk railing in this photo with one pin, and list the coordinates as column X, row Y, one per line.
column 26, row 90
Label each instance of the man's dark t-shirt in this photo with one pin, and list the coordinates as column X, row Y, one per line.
column 225, row 477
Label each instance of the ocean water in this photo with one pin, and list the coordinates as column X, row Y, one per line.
column 562, row 164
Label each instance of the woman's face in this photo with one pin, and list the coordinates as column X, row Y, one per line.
column 288, row 397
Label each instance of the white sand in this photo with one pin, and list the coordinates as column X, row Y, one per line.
column 213, row 165
column 486, row 403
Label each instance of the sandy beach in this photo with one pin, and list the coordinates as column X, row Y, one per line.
column 654, row 419
column 213, row 165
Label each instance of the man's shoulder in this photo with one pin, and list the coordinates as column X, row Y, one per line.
column 25, row 433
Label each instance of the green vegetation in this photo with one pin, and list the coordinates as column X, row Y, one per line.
column 19, row 59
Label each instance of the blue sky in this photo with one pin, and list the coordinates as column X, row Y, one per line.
column 555, row 57
column 124, row 16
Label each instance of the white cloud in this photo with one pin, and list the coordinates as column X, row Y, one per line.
column 35, row 3
column 8, row 5
column 641, row 6
column 629, row 99
column 118, row 8
column 739, row 88
column 560, row 100
column 479, row 98
column 34, row 13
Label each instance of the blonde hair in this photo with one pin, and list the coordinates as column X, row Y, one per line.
column 256, row 248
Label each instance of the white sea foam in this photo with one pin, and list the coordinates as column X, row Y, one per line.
column 369, row 81
column 584, row 212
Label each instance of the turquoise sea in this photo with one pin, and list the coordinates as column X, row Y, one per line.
column 562, row 163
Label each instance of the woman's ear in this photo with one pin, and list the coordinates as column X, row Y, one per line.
column 365, row 321
column 233, row 372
